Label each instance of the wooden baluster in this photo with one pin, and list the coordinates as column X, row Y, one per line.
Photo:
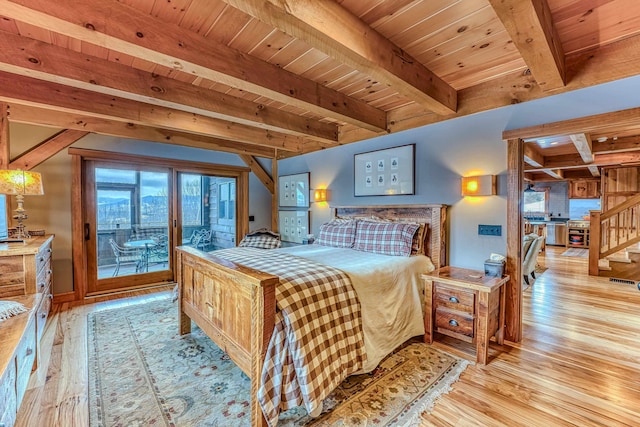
column 594, row 245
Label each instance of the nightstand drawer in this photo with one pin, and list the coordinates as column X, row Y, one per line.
column 456, row 322
column 455, row 299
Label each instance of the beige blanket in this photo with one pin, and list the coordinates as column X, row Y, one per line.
column 389, row 289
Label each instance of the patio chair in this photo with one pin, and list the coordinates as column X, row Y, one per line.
column 124, row 255
column 201, row 239
column 159, row 253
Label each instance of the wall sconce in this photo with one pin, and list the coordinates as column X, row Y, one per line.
column 484, row 185
column 20, row 183
column 320, row 195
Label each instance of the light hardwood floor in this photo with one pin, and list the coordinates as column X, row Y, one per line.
column 579, row 362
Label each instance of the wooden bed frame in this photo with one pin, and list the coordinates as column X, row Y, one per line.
column 235, row 305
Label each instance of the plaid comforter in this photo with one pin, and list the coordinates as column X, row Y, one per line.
column 317, row 340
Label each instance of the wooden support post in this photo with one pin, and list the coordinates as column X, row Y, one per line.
column 274, row 196
column 513, row 289
column 4, row 136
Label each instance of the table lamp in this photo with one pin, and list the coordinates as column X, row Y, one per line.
column 20, row 183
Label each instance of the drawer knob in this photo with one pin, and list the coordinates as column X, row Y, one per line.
column 41, row 285
column 43, row 315
column 49, row 250
column 453, row 322
column 41, row 259
column 29, row 351
column 454, row 299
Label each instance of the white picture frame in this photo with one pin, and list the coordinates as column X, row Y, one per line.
column 293, row 190
column 294, row 225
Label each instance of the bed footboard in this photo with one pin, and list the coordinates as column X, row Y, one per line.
column 234, row 305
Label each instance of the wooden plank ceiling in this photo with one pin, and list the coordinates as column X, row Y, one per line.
column 279, row 78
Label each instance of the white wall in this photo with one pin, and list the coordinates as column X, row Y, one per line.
column 53, row 210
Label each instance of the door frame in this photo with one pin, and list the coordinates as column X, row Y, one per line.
column 80, row 155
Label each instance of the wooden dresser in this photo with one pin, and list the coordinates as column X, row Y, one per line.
column 25, row 276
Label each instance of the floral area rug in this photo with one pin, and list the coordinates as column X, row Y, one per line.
column 141, row 373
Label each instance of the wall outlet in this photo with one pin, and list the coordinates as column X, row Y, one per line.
column 489, row 230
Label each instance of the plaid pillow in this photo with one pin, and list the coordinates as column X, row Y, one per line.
column 418, row 243
column 385, row 238
column 337, row 234
column 260, row 241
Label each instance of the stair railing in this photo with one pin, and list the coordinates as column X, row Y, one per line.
column 614, row 230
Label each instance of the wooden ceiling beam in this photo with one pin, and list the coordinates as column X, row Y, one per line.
column 570, row 161
column 589, row 124
column 582, row 142
column 25, row 90
column 330, row 28
column 594, row 170
column 571, row 174
column 532, row 154
column 530, row 25
column 62, row 119
column 47, row 148
column 618, row 158
column 259, row 171
column 33, row 58
column 116, row 26
column 629, row 143
column 555, row 173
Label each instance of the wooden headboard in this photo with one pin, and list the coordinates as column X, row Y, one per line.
column 433, row 215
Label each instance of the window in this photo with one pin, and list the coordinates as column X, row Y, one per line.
column 227, row 201
column 536, row 203
column 192, row 202
column 128, row 197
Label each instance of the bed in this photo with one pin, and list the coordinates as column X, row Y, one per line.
column 235, row 305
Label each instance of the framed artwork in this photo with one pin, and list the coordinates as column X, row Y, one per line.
column 388, row 172
column 294, row 225
column 293, row 190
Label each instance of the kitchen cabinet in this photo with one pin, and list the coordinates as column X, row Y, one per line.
column 584, row 189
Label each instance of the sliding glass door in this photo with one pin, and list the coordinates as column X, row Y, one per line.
column 131, row 212
column 127, row 225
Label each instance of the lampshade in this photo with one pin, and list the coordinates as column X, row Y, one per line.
column 484, row 185
column 17, row 182
column 320, row 195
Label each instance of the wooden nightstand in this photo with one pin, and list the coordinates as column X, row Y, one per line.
column 466, row 305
